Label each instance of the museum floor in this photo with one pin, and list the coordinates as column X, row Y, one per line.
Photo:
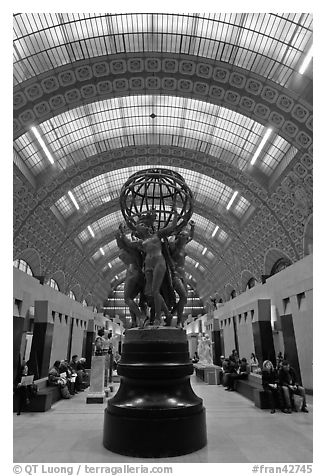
column 237, row 431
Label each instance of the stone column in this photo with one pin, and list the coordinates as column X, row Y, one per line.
column 90, row 336
column 42, row 339
column 262, row 331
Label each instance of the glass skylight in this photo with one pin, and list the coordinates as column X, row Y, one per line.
column 103, row 226
column 273, row 45
column 91, row 129
column 105, row 187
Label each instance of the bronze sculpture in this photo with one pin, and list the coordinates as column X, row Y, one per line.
column 155, row 399
column 155, row 203
column 178, row 255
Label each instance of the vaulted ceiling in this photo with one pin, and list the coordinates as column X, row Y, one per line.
column 220, row 98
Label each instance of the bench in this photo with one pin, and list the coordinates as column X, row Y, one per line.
column 45, row 397
column 253, row 390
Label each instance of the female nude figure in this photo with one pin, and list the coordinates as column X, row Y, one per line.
column 154, row 265
column 178, row 256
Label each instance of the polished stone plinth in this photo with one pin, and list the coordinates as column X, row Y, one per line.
column 96, row 393
column 155, row 412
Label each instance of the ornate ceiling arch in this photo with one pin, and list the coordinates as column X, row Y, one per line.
column 219, row 89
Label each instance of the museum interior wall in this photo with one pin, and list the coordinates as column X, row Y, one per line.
column 273, row 317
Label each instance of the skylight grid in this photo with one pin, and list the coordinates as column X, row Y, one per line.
column 205, row 225
column 109, row 249
column 84, row 236
column 275, row 154
column 222, row 236
column 29, row 151
column 65, row 206
column 193, row 262
column 71, row 137
column 107, row 223
column 241, row 207
column 105, row 187
column 231, row 38
column 195, row 247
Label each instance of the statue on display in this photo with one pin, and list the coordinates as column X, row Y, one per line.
column 99, row 342
column 204, row 350
column 149, row 203
column 149, row 242
column 135, row 278
column 178, row 255
column 154, row 364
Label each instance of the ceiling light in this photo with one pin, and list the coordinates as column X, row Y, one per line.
column 196, row 265
column 190, row 276
column 261, row 145
column 73, row 199
column 204, row 251
column 306, row 61
column 91, row 231
column 232, row 200
column 42, row 144
column 215, row 231
column 102, row 251
column 116, row 277
column 110, row 265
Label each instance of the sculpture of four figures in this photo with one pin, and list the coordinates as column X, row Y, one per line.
column 155, row 269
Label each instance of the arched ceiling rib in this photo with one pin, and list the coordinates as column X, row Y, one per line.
column 270, row 45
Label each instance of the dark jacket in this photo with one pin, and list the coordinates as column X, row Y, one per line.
column 287, row 378
column 267, row 378
column 244, row 368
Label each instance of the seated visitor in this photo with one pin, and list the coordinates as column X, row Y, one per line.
column 56, row 380
column 81, row 372
column 23, row 392
column 235, row 356
column 241, row 374
column 279, row 360
column 270, row 385
column 290, row 387
column 253, row 362
column 69, row 374
column 230, row 368
column 222, row 371
column 195, row 358
column 79, row 381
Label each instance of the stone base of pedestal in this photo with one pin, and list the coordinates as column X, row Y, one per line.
column 96, row 393
column 95, row 398
column 155, row 412
column 150, row 437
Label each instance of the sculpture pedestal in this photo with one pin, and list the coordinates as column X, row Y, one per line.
column 96, row 392
column 155, row 412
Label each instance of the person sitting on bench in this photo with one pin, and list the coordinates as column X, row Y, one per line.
column 24, row 392
column 241, row 374
column 56, row 380
column 81, row 372
column 231, row 368
column 270, row 385
column 290, row 387
column 74, row 365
